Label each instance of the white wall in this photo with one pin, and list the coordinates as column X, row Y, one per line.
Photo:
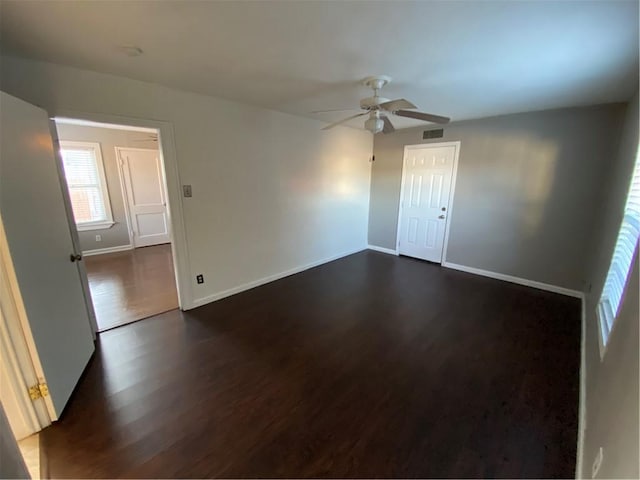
column 271, row 191
column 612, row 384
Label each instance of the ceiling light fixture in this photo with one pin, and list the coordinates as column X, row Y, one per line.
column 379, row 109
column 374, row 123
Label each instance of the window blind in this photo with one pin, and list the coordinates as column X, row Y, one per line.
column 85, row 188
column 620, row 267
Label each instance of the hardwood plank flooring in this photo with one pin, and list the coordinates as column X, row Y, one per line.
column 369, row 366
column 131, row 285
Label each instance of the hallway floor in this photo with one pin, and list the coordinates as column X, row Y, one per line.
column 128, row 286
column 369, row 366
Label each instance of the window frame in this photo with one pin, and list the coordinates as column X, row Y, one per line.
column 605, row 312
column 102, row 184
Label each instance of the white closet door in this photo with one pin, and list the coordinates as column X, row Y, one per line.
column 146, row 199
column 424, row 206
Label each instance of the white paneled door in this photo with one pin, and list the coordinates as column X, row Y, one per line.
column 147, row 203
column 424, row 203
column 41, row 248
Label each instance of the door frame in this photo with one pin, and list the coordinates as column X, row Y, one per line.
column 452, row 189
column 175, row 209
column 123, row 187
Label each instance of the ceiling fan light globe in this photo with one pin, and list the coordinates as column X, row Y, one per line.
column 374, row 124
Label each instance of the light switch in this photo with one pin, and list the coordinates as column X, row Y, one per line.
column 186, row 190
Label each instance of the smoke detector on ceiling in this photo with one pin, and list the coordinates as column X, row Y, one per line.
column 130, row 50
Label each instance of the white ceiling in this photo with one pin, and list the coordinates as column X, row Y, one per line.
column 463, row 59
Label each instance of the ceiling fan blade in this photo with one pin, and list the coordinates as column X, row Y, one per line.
column 335, row 124
column 335, row 110
column 388, row 126
column 427, row 117
column 398, row 104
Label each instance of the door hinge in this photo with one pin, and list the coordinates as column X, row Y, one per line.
column 38, row 391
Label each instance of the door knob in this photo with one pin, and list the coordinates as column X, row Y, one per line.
column 441, row 217
column 74, row 257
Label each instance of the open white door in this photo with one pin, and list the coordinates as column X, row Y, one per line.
column 20, row 369
column 41, row 247
column 146, row 200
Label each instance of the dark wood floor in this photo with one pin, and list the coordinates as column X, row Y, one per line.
column 131, row 285
column 370, row 366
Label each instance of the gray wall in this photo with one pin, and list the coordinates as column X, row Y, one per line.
column 11, row 462
column 524, row 201
column 109, row 139
column 612, row 397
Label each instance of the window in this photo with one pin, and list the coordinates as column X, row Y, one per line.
column 84, row 172
column 620, row 268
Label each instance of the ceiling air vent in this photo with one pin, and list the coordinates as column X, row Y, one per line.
column 437, row 133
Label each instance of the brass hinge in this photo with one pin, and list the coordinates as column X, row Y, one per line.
column 38, row 391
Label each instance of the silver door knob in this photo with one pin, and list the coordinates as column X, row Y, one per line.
column 441, row 217
column 74, row 257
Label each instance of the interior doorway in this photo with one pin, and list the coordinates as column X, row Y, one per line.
column 117, row 189
column 47, row 319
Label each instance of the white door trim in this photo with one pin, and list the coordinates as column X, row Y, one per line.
column 168, row 158
column 123, row 187
column 125, row 201
column 454, row 175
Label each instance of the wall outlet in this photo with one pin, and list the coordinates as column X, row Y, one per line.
column 597, row 463
column 98, row 238
column 186, row 191
column 200, row 278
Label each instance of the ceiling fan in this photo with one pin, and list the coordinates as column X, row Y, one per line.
column 379, row 108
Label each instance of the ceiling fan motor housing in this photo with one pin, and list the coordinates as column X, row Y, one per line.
column 372, row 103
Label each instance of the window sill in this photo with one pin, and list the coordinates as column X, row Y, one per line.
column 83, row 227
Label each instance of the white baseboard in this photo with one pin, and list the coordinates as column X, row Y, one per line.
column 582, row 412
column 271, row 278
column 100, row 251
column 382, row 249
column 519, row 281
